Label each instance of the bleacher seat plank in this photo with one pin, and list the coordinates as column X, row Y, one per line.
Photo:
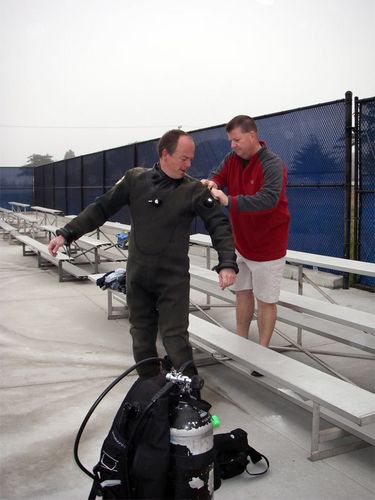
column 7, row 229
column 51, row 211
column 333, row 312
column 48, row 227
column 6, row 226
column 25, row 218
column 366, row 433
column 61, row 260
column 309, row 259
column 85, row 243
column 318, row 326
column 41, row 247
column 6, row 211
column 75, row 270
column 92, row 242
column 327, row 329
column 112, row 255
column 351, row 402
column 206, row 281
column 87, row 240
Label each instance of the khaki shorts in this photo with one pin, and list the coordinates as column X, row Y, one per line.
column 264, row 278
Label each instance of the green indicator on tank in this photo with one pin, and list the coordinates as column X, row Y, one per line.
column 215, row 420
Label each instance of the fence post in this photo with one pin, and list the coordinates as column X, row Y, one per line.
column 356, row 178
column 104, row 170
column 348, row 178
column 44, row 185
column 66, row 186
column 82, row 184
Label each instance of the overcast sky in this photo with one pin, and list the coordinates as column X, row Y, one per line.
column 89, row 75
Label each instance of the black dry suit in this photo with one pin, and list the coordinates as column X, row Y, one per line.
column 162, row 210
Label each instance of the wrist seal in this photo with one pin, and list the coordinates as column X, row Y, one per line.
column 65, row 234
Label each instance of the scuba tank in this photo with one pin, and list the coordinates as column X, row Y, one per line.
column 191, row 470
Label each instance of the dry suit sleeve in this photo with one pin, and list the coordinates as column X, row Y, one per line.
column 95, row 214
column 218, row 227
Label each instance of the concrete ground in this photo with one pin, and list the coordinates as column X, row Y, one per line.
column 59, row 352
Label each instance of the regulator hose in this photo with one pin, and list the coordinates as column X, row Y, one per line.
column 95, row 404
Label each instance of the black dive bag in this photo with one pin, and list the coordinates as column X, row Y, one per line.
column 233, row 455
column 134, row 459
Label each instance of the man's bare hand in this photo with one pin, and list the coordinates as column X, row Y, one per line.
column 210, row 184
column 55, row 244
column 220, row 196
column 227, row 277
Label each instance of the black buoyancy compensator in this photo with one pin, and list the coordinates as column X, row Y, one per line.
column 160, row 444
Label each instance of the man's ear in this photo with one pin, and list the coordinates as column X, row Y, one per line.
column 164, row 154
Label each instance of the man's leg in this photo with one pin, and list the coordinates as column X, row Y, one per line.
column 244, row 311
column 244, row 297
column 266, row 319
column 267, row 278
column 143, row 318
column 173, row 307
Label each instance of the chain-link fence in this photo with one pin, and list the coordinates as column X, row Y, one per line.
column 312, row 141
column 16, row 184
column 365, row 184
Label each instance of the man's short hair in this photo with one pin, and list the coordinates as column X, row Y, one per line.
column 169, row 141
column 246, row 124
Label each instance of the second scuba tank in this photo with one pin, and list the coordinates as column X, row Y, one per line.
column 192, row 448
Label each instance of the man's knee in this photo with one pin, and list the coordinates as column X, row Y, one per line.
column 270, row 306
column 179, row 350
column 266, row 310
column 244, row 297
column 266, row 307
column 244, row 293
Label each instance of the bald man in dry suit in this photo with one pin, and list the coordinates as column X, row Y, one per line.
column 163, row 201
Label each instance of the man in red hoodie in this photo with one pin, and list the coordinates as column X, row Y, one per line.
column 255, row 181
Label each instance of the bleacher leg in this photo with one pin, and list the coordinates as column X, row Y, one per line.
column 315, row 429
column 300, row 292
column 60, row 268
